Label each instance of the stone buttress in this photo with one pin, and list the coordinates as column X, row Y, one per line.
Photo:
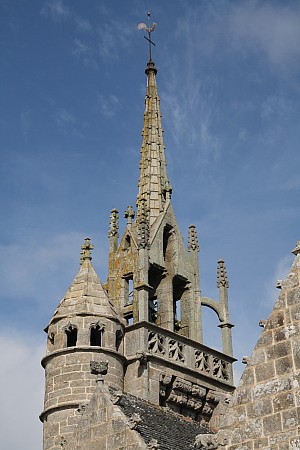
column 84, row 332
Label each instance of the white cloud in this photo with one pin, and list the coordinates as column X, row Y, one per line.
column 22, row 381
column 56, row 9
column 272, row 29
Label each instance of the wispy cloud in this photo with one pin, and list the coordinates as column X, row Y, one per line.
column 109, row 105
column 83, row 24
column 56, row 9
column 64, row 118
column 84, row 52
column 113, row 36
column 275, row 105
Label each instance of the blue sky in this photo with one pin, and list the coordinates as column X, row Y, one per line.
column 72, row 100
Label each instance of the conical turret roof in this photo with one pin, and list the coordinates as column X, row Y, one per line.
column 86, row 295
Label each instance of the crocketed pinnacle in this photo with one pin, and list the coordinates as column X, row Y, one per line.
column 154, row 185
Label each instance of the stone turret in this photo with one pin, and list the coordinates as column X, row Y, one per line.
column 85, row 331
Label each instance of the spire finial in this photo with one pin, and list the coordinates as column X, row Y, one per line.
column 193, row 239
column 150, row 28
column 114, row 223
column 129, row 215
column 86, row 249
column 222, row 280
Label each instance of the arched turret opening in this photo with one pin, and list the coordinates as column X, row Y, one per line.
column 96, row 336
column 71, row 335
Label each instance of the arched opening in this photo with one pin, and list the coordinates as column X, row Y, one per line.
column 96, row 336
column 119, row 339
column 155, row 275
column 127, row 242
column 179, row 287
column 212, row 335
column 166, row 236
column 71, row 333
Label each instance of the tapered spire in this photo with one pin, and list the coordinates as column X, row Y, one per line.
column 154, row 185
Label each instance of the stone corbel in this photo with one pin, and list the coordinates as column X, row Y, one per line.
column 153, row 445
column 206, row 442
column 134, row 420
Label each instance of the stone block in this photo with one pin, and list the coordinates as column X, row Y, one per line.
column 260, row 444
column 279, row 350
column 296, row 354
column 243, row 395
column 272, row 423
column 283, row 401
column 264, row 371
column 284, row 365
column 248, row 377
column 276, row 320
column 293, row 297
column 265, row 339
column 279, row 335
column 259, row 408
column 289, row 419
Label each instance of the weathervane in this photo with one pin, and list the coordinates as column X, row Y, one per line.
column 149, row 29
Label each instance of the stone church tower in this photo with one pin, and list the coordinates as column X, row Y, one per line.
column 132, row 350
column 126, row 367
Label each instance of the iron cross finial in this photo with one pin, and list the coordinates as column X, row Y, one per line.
column 149, row 29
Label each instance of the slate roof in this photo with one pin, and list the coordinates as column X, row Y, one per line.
column 172, row 431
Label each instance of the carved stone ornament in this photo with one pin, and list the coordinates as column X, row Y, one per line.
column 81, row 408
column 134, row 420
column 99, row 367
column 143, row 233
column 193, row 239
column 114, row 223
column 86, row 249
column 129, row 215
column 63, row 441
column 153, row 445
column 222, row 275
column 206, row 442
column 115, row 397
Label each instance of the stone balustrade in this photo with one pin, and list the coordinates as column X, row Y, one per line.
column 178, row 349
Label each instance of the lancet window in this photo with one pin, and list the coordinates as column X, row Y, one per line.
column 71, row 334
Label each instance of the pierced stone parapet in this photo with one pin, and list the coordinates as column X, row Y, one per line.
column 164, row 346
column 212, row 365
column 180, row 351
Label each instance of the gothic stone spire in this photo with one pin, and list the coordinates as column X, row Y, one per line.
column 154, row 185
